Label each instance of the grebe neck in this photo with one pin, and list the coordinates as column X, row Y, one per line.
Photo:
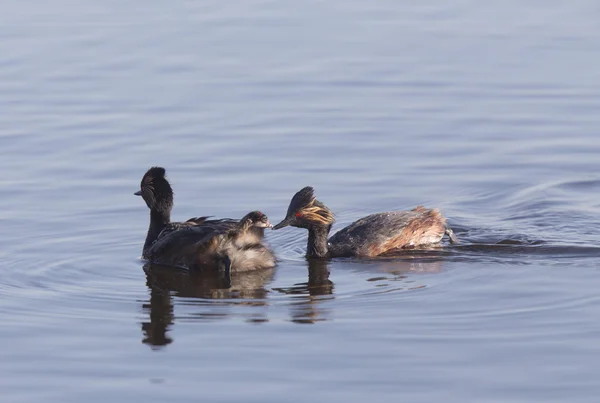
column 317, row 241
column 158, row 221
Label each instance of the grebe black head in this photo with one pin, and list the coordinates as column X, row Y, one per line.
column 156, row 190
column 305, row 211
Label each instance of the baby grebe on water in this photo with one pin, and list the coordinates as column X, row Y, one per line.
column 214, row 246
column 239, row 248
column 246, row 232
column 373, row 235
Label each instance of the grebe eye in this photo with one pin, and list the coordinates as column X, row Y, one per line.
column 298, row 215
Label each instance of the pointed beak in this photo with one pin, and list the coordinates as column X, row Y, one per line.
column 138, row 193
column 268, row 224
column 282, row 224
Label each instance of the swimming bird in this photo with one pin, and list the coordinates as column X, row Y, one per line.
column 241, row 249
column 373, row 235
column 156, row 191
column 217, row 247
column 200, row 242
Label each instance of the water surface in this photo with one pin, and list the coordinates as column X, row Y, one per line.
column 487, row 111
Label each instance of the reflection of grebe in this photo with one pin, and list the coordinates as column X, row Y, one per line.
column 225, row 244
column 194, row 288
column 370, row 236
column 160, row 312
column 307, row 297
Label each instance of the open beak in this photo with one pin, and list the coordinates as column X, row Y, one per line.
column 138, row 193
column 282, row 224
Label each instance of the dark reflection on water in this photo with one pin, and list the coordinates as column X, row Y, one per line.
column 203, row 290
column 208, row 285
column 307, row 298
column 159, row 308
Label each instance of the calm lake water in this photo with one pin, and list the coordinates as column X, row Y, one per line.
column 487, row 110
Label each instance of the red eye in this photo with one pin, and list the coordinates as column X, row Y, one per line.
column 298, row 215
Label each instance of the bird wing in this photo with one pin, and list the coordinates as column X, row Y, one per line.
column 378, row 233
column 181, row 243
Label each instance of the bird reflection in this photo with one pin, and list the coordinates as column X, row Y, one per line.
column 307, row 297
column 416, row 263
column 161, row 317
column 397, row 274
column 212, row 295
column 166, row 282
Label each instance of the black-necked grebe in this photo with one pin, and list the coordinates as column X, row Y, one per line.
column 373, row 235
column 199, row 240
column 215, row 245
column 156, row 191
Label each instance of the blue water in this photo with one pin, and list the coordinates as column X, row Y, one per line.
column 488, row 111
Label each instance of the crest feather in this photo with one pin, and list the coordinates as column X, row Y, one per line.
column 305, row 203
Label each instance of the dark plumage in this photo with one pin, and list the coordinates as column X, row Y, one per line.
column 200, row 243
column 216, row 245
column 373, row 235
column 156, row 191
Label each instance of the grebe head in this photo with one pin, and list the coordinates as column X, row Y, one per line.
column 256, row 219
column 306, row 211
column 156, row 190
